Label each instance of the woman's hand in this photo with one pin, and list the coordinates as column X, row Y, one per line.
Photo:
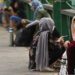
column 60, row 40
column 66, row 44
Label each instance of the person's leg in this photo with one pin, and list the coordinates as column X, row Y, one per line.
column 71, row 58
column 13, row 24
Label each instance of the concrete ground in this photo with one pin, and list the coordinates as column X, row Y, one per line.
column 14, row 60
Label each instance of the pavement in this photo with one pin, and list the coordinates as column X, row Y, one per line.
column 14, row 60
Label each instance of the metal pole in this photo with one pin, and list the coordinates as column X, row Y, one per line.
column 11, row 36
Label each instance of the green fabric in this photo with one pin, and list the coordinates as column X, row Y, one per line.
column 42, row 13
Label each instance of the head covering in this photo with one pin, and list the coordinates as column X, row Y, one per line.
column 46, row 24
column 36, row 4
column 16, row 19
column 42, row 57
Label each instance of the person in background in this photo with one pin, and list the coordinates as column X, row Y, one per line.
column 39, row 11
column 37, row 7
column 6, row 17
column 17, row 10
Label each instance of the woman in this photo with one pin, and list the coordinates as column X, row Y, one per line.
column 18, row 14
column 70, row 45
column 18, row 8
column 45, row 49
column 39, row 11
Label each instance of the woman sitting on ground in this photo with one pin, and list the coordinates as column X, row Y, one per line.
column 47, row 46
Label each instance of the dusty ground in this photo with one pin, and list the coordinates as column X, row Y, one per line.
column 14, row 60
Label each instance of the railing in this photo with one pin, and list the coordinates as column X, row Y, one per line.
column 63, row 23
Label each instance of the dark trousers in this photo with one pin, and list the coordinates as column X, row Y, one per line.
column 71, row 58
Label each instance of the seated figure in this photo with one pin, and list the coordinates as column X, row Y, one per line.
column 24, row 36
column 47, row 46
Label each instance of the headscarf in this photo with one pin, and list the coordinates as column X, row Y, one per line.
column 42, row 56
column 46, row 24
column 36, row 4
